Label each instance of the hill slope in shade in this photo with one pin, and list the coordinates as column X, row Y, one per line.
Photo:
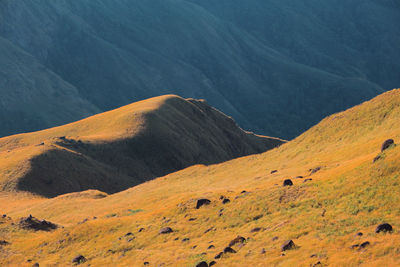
column 348, row 195
column 277, row 67
column 124, row 147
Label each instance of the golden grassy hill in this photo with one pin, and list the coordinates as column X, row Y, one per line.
column 118, row 149
column 349, row 194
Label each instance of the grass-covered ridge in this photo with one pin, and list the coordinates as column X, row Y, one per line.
column 349, row 194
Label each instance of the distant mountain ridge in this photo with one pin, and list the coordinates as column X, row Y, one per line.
column 277, row 67
column 121, row 148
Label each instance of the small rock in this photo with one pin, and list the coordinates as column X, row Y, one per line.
column 377, row 158
column 275, row 238
column 35, row 265
column 166, row 230
column 384, row 227
column 237, row 240
column 387, row 144
column 202, row 264
column 229, row 250
column 289, row 244
column 355, row 246
column 140, row 230
column 274, row 171
column 287, row 182
column 359, row 234
column 257, row 217
column 365, row 244
column 192, row 219
column 315, row 170
column 202, row 202
column 255, row 230
column 146, row 263
column 212, row 263
column 79, row 259
column 244, row 191
column 208, row 230
column 211, row 247
column 313, row 256
column 128, row 234
column 4, row 243
column 176, row 239
column 185, row 239
column 226, row 200
column 317, row 264
column 299, row 177
column 219, row 255
column 263, row 251
column 307, row 180
column 195, row 246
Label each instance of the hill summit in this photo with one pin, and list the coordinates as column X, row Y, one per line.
column 124, row 147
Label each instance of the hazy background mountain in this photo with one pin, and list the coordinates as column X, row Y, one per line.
column 277, row 67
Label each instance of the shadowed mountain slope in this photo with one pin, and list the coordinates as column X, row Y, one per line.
column 124, row 147
column 277, row 67
column 340, row 194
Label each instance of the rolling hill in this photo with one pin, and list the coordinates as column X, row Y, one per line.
column 341, row 192
column 121, row 148
column 277, row 67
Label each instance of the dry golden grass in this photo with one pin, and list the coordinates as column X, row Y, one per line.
column 349, row 194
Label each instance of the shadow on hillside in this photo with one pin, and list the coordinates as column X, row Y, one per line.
column 171, row 141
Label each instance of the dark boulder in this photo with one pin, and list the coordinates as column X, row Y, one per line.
column 202, row 202
column 237, row 240
column 377, row 158
column 4, row 243
column 255, row 230
column 79, row 259
column 274, row 171
column 212, row 263
column 31, row 223
column 166, row 230
column 365, row 244
column 307, row 180
column 202, row 264
column 229, row 250
column 359, row 234
column 384, row 227
column 219, row 255
column 387, row 144
column 289, row 244
column 146, row 263
column 287, row 182
column 211, row 247
column 185, row 239
column 226, row 200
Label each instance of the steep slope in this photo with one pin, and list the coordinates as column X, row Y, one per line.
column 277, row 67
column 32, row 96
column 350, row 194
column 124, row 147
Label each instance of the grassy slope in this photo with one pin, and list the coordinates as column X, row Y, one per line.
column 121, row 148
column 355, row 193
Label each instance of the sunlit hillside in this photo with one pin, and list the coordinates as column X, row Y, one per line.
column 341, row 192
column 124, row 147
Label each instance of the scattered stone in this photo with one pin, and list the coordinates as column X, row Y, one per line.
column 166, row 230
column 384, row 227
column 244, row 191
column 146, row 263
column 128, row 234
column 313, row 256
column 4, row 243
column 299, row 177
column 202, row 202
column 237, row 240
column 229, row 250
column 140, row 230
column 377, row 158
column 288, row 245
column 365, row 244
column 355, row 246
column 83, row 221
column 212, row 263
column 315, row 170
column 176, row 239
column 317, row 264
column 31, row 223
column 307, row 180
column 218, row 256
column 36, row 264
column 202, row 264
column 257, row 217
column 387, row 144
column 195, row 246
column 226, row 200
column 192, row 219
column 255, row 230
column 208, row 230
column 221, row 197
column 263, row 251
column 274, row 171
column 79, row 259
column 185, row 239
column 323, row 212
column 287, row 182
column 211, row 247
column 359, row 234
column 275, row 238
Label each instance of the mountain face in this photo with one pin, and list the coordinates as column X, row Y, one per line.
column 124, row 147
column 341, row 209
column 277, row 67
